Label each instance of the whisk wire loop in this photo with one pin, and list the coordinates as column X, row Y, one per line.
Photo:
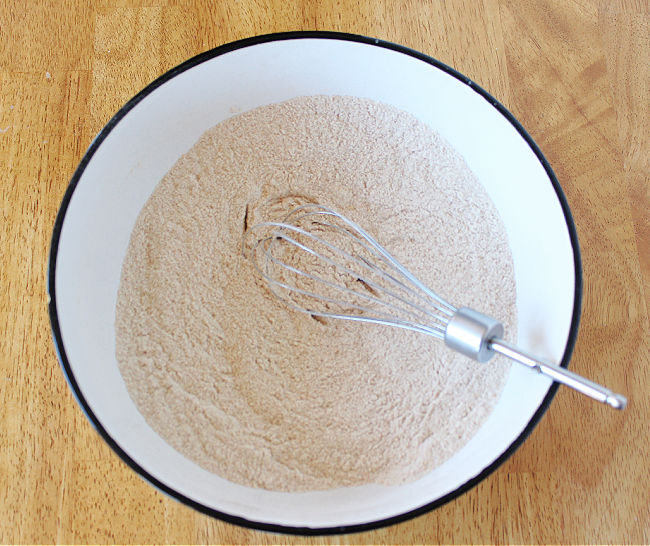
column 367, row 281
column 375, row 248
column 403, row 303
column 369, row 314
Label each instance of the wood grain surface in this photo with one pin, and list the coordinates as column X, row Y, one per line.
column 575, row 73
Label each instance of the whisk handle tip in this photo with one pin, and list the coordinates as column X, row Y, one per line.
column 617, row 401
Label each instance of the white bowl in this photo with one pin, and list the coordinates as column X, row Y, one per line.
column 144, row 139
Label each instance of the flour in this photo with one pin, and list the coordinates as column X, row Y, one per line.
column 268, row 397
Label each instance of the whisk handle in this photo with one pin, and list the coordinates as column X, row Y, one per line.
column 559, row 374
column 479, row 336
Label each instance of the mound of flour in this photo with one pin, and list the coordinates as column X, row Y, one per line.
column 268, row 397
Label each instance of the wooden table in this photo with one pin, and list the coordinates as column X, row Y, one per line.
column 576, row 74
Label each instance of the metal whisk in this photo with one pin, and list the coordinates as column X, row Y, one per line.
column 323, row 264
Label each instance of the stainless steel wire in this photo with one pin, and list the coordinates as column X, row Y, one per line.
column 351, row 276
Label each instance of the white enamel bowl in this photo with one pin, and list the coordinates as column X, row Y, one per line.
column 143, row 140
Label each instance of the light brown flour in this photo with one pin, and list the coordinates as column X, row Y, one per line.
column 265, row 396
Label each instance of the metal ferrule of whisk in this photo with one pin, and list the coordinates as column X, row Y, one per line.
column 469, row 332
column 321, row 263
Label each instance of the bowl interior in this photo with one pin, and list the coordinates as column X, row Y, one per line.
column 140, row 145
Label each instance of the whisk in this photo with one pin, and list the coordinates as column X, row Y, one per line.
column 323, row 264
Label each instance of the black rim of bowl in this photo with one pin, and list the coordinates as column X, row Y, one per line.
column 202, row 57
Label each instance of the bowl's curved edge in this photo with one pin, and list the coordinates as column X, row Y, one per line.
column 198, row 59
